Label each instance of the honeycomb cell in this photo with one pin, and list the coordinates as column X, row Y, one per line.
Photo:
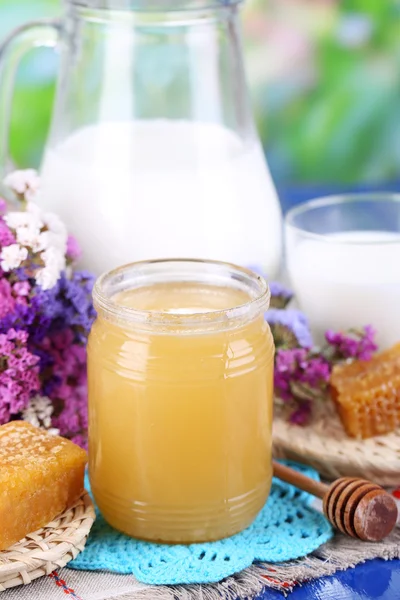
column 367, row 394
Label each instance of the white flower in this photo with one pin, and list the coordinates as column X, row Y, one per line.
column 53, row 258
column 39, row 412
column 54, row 263
column 41, row 232
column 28, row 225
column 24, row 182
column 22, row 219
column 12, row 256
column 29, row 236
column 46, row 278
column 49, row 239
column 55, row 224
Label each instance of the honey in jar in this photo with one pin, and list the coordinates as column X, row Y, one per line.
column 180, row 367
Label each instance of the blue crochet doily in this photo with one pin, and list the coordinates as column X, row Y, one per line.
column 286, row 528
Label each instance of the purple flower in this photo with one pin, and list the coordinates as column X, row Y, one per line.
column 288, row 365
column 7, row 301
column 289, row 327
column 54, row 325
column 67, row 305
column 21, row 274
column 43, row 334
column 300, row 377
column 302, row 414
column 288, row 361
column 317, row 372
column 21, row 288
column 354, row 344
column 80, row 440
column 66, row 382
column 277, row 289
column 6, row 236
column 19, row 374
column 280, row 295
column 73, row 248
column 301, row 365
column 22, row 318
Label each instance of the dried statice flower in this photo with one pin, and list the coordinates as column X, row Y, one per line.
column 289, row 328
column 302, row 368
column 280, row 295
column 12, row 256
column 7, row 300
column 302, row 414
column 46, row 312
column 67, row 305
column 300, row 378
column 41, row 244
column 66, row 384
column 24, row 183
column 74, row 250
column 302, row 375
column 354, row 344
column 19, row 374
column 6, row 236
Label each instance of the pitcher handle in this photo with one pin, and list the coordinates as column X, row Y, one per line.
column 31, row 35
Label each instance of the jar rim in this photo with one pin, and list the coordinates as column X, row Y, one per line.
column 208, row 272
column 155, row 5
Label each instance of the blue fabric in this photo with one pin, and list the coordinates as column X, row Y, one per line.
column 374, row 580
column 286, row 528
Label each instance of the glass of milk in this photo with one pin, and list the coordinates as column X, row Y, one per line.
column 343, row 261
column 153, row 152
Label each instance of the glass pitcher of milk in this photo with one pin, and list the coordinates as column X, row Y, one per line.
column 152, row 151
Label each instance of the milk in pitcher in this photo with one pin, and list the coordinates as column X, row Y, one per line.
column 152, row 189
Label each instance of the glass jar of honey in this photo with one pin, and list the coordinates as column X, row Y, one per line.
column 180, row 367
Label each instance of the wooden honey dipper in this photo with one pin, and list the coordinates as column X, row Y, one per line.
column 355, row 506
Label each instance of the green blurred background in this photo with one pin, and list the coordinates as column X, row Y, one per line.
column 324, row 77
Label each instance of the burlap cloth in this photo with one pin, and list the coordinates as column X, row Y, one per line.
column 338, row 554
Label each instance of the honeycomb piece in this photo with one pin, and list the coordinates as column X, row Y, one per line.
column 40, row 476
column 367, row 394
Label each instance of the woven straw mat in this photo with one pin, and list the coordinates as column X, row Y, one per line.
column 325, row 446
column 49, row 548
